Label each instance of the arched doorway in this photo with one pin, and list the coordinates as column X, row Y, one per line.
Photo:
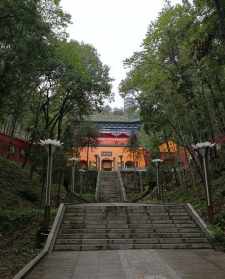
column 129, row 164
column 83, row 164
column 107, row 165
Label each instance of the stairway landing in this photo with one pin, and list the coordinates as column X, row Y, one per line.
column 132, row 264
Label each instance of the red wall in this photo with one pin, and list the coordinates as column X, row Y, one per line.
column 13, row 148
column 109, row 139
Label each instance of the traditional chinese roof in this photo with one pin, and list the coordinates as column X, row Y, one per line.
column 99, row 117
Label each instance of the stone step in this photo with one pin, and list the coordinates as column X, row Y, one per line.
column 123, row 214
column 106, row 197
column 110, row 199
column 126, row 230
column 106, row 241
column 77, row 235
column 124, row 208
column 69, row 247
column 109, row 184
column 109, row 217
column 106, row 193
column 158, row 227
column 128, row 208
column 118, row 222
column 157, row 213
column 125, row 226
column 109, row 192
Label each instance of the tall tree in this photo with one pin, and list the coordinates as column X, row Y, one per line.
column 27, row 36
column 179, row 74
column 88, row 137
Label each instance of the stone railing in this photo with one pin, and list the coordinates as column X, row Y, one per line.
column 48, row 248
column 97, row 193
column 122, row 188
column 196, row 217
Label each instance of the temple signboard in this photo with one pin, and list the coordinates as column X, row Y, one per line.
column 106, row 154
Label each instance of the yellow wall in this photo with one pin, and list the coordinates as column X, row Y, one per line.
column 164, row 147
column 113, row 154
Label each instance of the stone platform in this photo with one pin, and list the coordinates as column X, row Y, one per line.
column 132, row 264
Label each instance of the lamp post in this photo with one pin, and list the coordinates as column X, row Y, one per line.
column 50, row 145
column 74, row 160
column 203, row 148
column 157, row 163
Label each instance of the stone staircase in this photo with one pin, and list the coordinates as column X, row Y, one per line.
column 128, row 226
column 110, row 189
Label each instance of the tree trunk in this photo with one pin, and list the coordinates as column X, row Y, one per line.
column 221, row 14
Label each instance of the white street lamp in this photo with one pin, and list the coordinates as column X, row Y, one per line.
column 50, row 145
column 157, row 162
column 74, row 160
column 203, row 147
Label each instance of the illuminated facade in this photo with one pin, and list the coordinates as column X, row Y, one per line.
column 112, row 151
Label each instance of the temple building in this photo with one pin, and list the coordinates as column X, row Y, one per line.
column 112, row 150
column 172, row 153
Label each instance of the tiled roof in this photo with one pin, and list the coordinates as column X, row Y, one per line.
column 101, row 117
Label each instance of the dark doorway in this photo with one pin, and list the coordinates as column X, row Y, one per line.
column 129, row 164
column 107, row 165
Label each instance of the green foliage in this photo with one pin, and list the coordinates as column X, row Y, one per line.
column 27, row 42
column 88, row 134
column 219, row 221
column 17, row 190
column 11, row 220
column 46, row 79
column 179, row 74
column 218, row 236
column 89, row 196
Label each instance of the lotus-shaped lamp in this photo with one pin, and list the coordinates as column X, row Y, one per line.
column 52, row 142
column 74, row 159
column 157, row 161
column 202, row 145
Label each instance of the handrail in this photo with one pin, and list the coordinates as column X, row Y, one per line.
column 49, row 244
column 122, row 188
column 97, row 192
column 198, row 220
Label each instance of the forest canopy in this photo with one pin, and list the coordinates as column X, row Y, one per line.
column 46, row 78
column 179, row 74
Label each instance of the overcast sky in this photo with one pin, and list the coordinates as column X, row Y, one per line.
column 115, row 28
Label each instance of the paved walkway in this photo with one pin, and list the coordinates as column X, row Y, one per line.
column 132, row 264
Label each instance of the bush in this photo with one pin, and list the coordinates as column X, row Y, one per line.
column 218, row 236
column 10, row 220
column 17, row 190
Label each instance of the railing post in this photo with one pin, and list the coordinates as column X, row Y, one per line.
column 97, row 192
column 122, row 188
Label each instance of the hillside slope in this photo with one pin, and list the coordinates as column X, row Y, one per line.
column 16, row 188
column 19, row 217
